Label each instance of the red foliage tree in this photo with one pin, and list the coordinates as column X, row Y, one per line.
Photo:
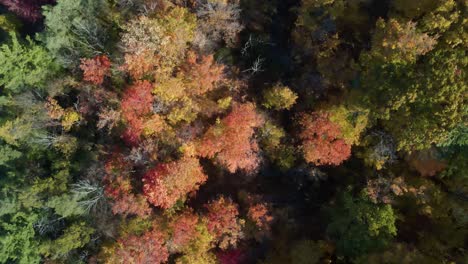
column 116, row 169
column 148, row 248
column 321, row 140
column 235, row 256
column 167, row 183
column 29, row 10
column 136, row 103
column 183, row 229
column 94, row 70
column 118, row 187
column 231, row 141
column 223, row 222
column 202, row 74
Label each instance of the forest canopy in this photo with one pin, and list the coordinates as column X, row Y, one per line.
column 233, row 131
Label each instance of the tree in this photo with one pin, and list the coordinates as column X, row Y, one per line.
column 379, row 149
column 273, row 143
column 118, row 187
column 198, row 250
column 279, row 97
column 8, row 154
column 223, row 222
column 411, row 85
column 75, row 29
column 201, row 74
column 187, row 95
column 94, row 70
column 230, row 140
column 29, row 10
column 136, row 104
column 10, row 23
column 17, row 239
column 430, row 118
column 218, row 21
column 322, row 141
column 168, row 183
column 307, row 252
column 147, row 248
column 155, row 46
column 129, row 203
column 396, row 43
column 234, row 256
column 359, row 226
column 418, row 104
column 25, row 66
column 184, row 229
column 260, row 215
column 398, row 253
column 445, row 21
column 75, row 236
column 352, row 120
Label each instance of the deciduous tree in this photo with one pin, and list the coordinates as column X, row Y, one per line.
column 231, row 140
column 201, row 74
column 29, row 10
column 223, row 222
column 322, row 141
column 359, row 226
column 147, row 248
column 136, row 104
column 76, row 29
column 260, row 215
column 95, row 69
column 119, row 188
column 279, row 97
column 184, row 229
column 156, row 45
column 218, row 21
column 396, row 42
column 168, row 183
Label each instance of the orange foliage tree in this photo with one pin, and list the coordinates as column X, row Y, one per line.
column 168, row 183
column 94, row 70
column 223, row 222
column 136, row 103
column 231, row 140
column 201, row 74
column 260, row 215
column 147, row 248
column 321, row 140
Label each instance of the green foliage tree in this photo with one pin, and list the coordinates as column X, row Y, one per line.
column 272, row 141
column 73, row 237
column 359, row 226
column 76, row 29
column 17, row 239
column 9, row 23
column 279, row 97
column 307, row 252
column 25, row 66
column 418, row 103
column 8, row 154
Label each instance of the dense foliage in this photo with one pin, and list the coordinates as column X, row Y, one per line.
column 233, row 131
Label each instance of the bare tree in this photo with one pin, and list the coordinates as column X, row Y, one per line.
column 219, row 22
column 89, row 195
column 256, row 66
